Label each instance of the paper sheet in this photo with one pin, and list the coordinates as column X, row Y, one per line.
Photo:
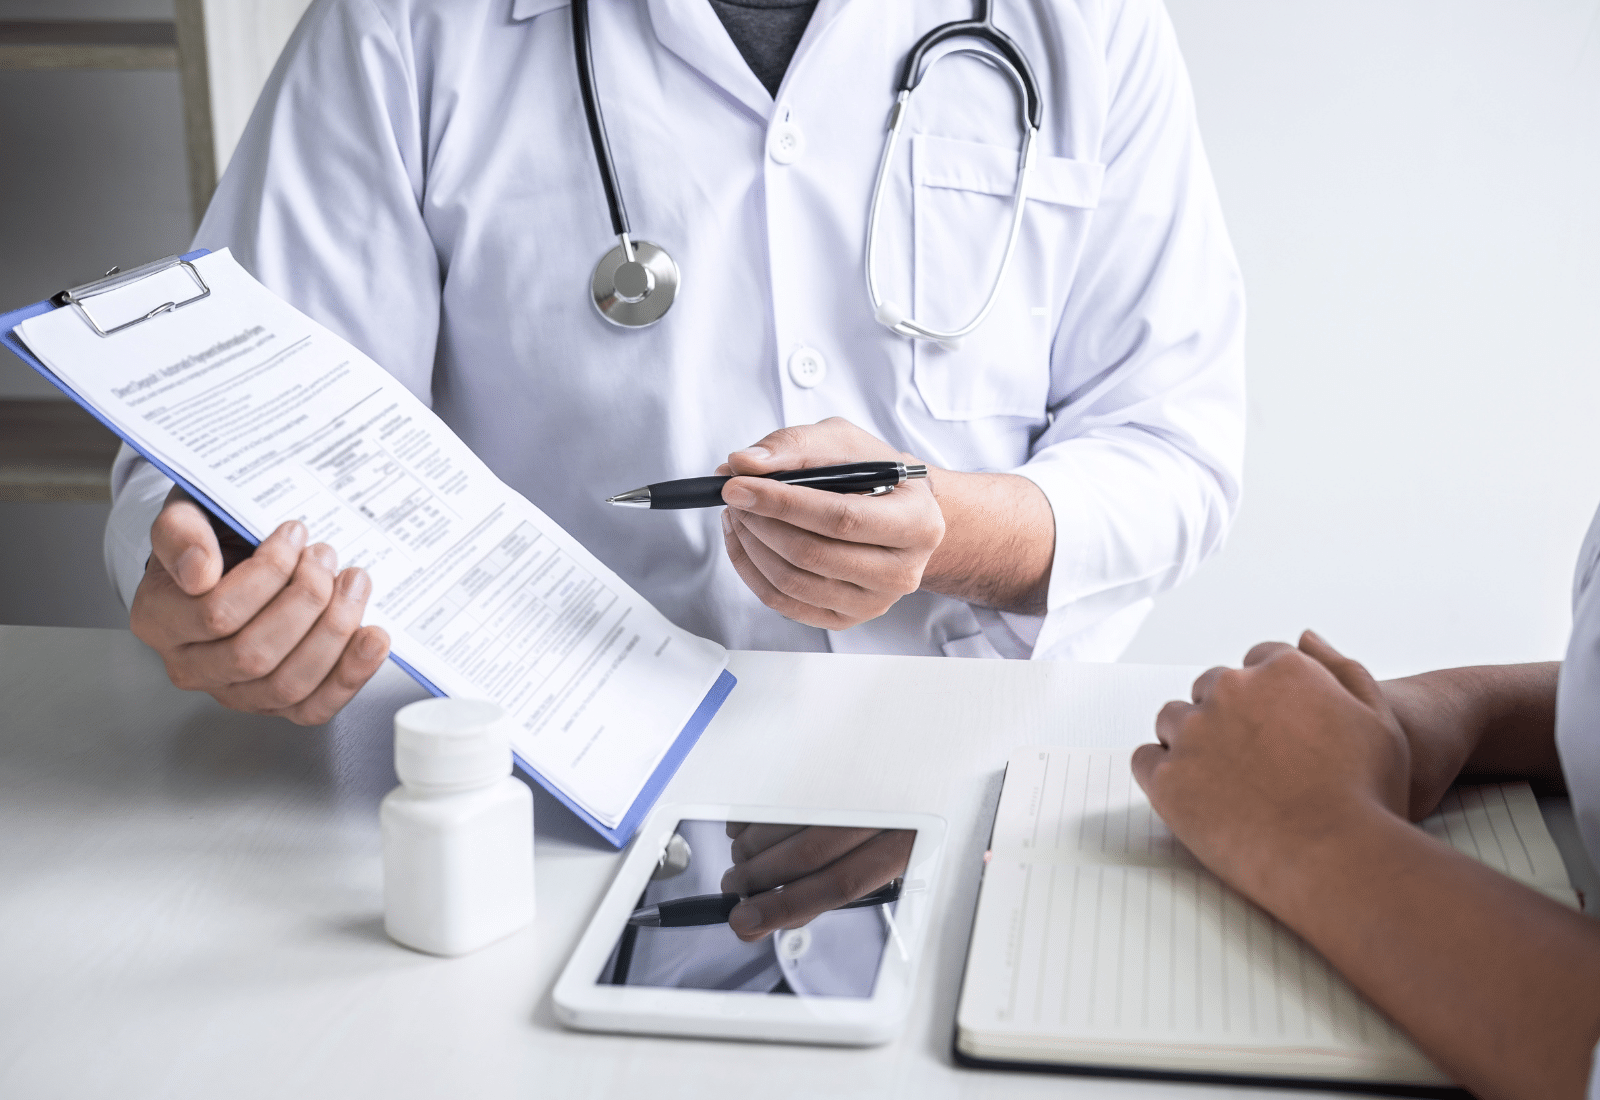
column 276, row 418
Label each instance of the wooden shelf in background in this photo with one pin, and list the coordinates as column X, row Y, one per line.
column 88, row 44
column 53, row 450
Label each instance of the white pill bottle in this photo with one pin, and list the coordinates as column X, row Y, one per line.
column 457, row 832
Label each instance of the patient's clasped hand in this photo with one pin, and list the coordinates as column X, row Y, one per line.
column 1295, row 779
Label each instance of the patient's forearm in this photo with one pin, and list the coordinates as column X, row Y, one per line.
column 1519, row 715
column 1490, row 720
column 1498, row 984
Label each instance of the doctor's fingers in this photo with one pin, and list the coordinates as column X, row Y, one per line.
column 257, row 648
column 168, row 615
column 859, row 873
column 907, row 517
column 805, row 852
column 750, row 840
column 875, row 568
column 184, row 544
column 307, row 665
column 360, row 659
column 797, row 594
column 803, row 445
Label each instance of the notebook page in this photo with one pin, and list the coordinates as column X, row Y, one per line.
column 1099, row 939
column 276, row 418
column 1500, row 824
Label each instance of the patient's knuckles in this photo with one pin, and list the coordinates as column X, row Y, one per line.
column 1223, row 689
column 1264, row 651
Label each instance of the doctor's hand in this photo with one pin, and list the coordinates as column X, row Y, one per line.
column 826, row 559
column 270, row 631
column 1275, row 759
column 818, row 867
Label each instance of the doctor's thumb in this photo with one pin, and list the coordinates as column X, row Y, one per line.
column 182, row 541
column 758, row 458
column 790, row 448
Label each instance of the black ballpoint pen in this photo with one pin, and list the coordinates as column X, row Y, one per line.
column 705, row 909
column 706, row 492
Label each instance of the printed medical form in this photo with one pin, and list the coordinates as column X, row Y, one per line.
column 277, row 418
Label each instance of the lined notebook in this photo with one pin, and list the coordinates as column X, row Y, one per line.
column 1100, row 942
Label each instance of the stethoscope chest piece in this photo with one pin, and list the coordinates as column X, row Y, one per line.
column 637, row 291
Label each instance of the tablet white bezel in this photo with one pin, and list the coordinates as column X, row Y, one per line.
column 582, row 1002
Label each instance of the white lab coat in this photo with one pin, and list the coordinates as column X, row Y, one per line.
column 1578, row 715
column 418, row 176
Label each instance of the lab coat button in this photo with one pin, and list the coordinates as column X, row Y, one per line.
column 807, row 367
column 786, row 143
column 794, row 943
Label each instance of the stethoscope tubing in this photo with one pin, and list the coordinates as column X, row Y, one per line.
column 1028, row 95
column 981, row 27
column 597, row 126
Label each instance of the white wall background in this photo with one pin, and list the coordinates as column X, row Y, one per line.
column 1413, row 187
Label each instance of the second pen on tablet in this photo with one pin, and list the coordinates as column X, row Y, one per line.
column 706, row 492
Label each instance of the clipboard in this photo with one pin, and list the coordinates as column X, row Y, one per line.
column 80, row 299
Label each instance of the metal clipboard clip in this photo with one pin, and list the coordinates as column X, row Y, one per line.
column 78, row 296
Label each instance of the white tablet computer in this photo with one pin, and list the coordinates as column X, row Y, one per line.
column 661, row 957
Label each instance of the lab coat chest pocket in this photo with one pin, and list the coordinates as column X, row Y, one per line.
column 961, row 211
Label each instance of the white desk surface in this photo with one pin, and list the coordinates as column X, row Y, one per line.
column 190, row 899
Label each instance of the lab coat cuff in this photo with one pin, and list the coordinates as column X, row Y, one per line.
column 1089, row 616
column 138, row 491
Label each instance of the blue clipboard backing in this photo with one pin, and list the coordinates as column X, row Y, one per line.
column 687, row 737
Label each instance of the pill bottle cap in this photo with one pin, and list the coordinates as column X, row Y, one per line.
column 451, row 744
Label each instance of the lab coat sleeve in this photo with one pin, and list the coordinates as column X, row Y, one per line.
column 321, row 201
column 1141, row 461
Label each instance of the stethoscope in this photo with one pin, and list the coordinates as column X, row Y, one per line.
column 635, row 282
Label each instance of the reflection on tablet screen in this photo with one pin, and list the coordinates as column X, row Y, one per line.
column 679, row 937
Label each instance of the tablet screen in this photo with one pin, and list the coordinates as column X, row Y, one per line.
column 679, row 936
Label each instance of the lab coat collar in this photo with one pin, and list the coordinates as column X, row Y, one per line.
column 691, row 29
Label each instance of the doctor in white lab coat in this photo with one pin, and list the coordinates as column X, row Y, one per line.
column 418, row 176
